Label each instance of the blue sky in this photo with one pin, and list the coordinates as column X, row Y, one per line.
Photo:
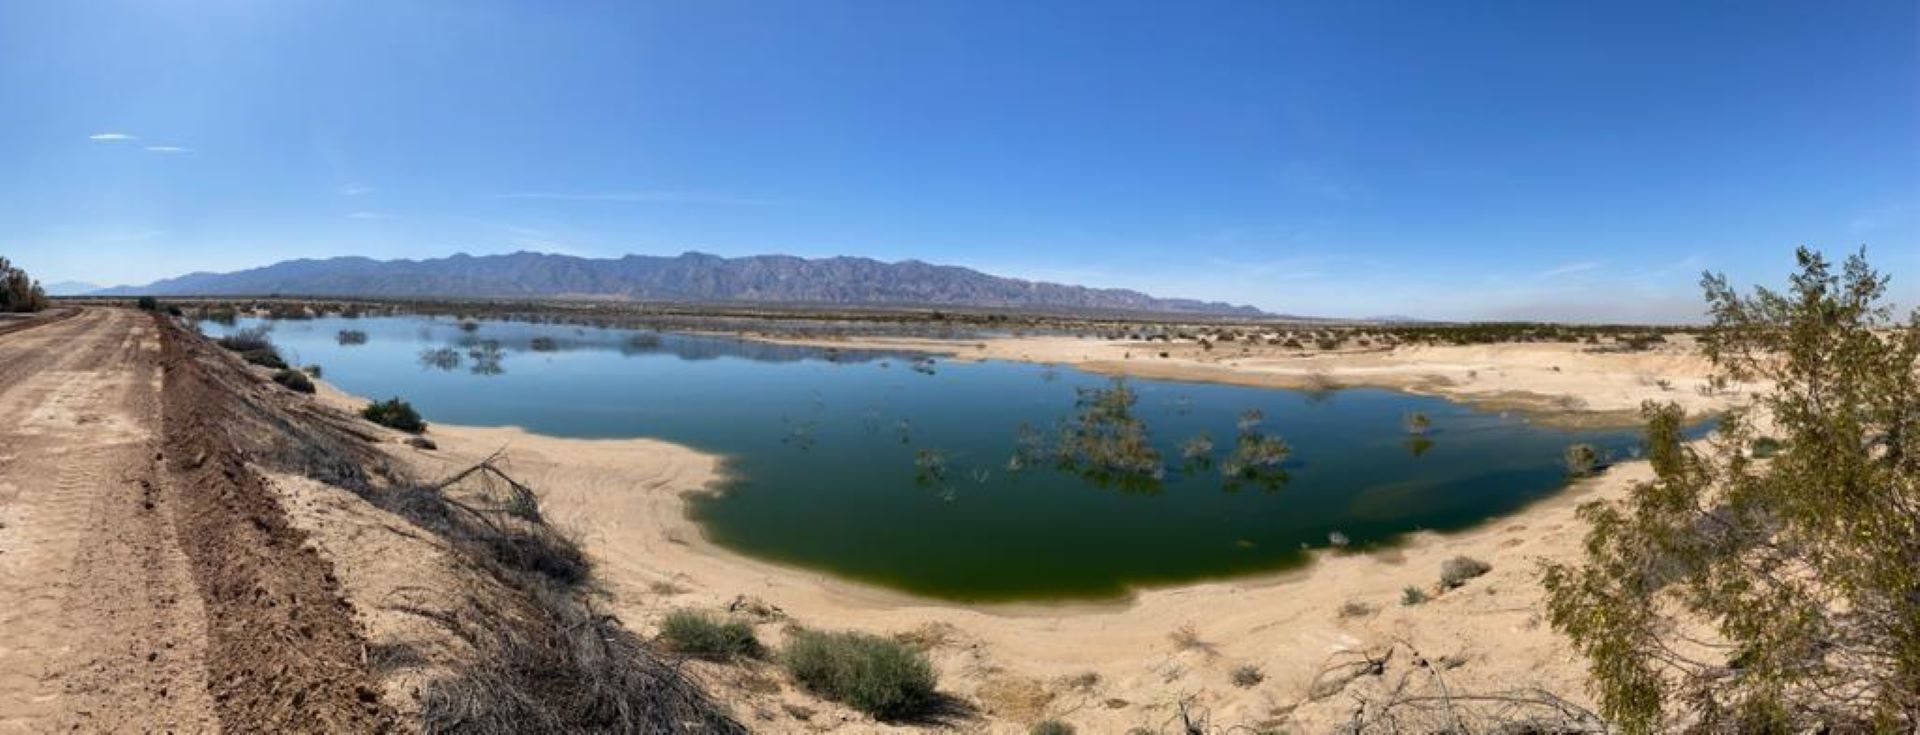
column 1473, row 159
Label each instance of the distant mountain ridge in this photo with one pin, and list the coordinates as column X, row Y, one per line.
column 70, row 288
column 690, row 277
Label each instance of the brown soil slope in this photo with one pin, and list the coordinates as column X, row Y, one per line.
column 146, row 581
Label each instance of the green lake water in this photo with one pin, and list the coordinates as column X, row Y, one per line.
column 888, row 469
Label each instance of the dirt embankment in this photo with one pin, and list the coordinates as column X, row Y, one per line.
column 150, row 583
column 453, row 607
column 283, row 649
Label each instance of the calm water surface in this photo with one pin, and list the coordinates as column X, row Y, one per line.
column 890, row 470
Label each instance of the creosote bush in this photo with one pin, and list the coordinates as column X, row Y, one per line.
column 697, row 633
column 294, row 380
column 1456, row 571
column 1728, row 595
column 253, row 346
column 1248, row 675
column 879, row 676
column 394, row 413
column 1412, row 595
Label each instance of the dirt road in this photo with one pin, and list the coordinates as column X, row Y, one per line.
column 101, row 627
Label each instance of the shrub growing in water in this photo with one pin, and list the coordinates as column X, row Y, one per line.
column 1107, row 443
column 351, row 337
column 1582, row 460
column 697, row 633
column 879, row 676
column 294, row 380
column 1418, row 423
column 394, row 413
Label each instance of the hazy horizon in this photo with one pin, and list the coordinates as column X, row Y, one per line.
column 1516, row 161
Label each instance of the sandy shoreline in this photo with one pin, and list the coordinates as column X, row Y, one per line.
column 1559, row 383
column 1105, row 666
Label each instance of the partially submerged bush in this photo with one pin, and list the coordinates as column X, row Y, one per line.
column 1582, row 460
column 1106, row 442
column 1456, row 571
column 878, row 676
column 394, row 413
column 351, row 337
column 697, row 633
column 1417, row 423
column 294, row 380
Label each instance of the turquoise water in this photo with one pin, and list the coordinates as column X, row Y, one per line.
column 888, row 469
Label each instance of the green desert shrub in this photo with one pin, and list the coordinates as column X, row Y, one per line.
column 148, row 303
column 1766, row 446
column 697, row 633
column 18, row 291
column 1412, row 595
column 1456, row 571
column 242, row 340
column 294, row 380
column 879, row 676
column 1248, row 675
column 1051, row 727
column 394, row 413
column 252, row 345
column 1800, row 571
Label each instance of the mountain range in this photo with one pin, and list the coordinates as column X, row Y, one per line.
column 687, row 278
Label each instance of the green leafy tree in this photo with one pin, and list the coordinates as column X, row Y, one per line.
column 18, row 291
column 1733, row 594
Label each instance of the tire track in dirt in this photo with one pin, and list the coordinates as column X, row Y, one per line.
column 100, row 625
